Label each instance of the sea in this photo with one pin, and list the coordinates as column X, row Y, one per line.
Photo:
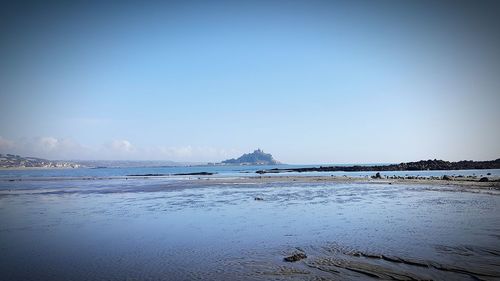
column 218, row 171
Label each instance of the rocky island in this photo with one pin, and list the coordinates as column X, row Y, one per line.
column 16, row 161
column 258, row 157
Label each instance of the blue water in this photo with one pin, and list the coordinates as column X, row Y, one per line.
column 219, row 171
column 120, row 172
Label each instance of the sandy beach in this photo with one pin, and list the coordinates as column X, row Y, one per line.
column 472, row 183
column 250, row 228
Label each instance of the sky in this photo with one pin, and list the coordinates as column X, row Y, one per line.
column 203, row 81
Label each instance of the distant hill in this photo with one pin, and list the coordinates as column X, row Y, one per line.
column 16, row 161
column 258, row 157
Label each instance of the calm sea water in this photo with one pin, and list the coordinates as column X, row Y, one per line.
column 219, row 171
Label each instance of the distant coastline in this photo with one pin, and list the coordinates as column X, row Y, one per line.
column 38, row 168
column 11, row 161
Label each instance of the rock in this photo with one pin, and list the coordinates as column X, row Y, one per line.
column 488, row 174
column 423, row 165
column 148, row 175
column 484, row 179
column 258, row 199
column 195, row 174
column 446, row 178
column 295, row 257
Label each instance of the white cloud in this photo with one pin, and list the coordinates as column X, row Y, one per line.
column 120, row 149
column 194, row 153
column 122, row 146
column 5, row 144
column 48, row 143
column 45, row 147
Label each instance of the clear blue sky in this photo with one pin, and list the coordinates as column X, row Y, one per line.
column 308, row 81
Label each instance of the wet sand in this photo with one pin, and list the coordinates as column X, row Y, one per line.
column 470, row 183
column 213, row 228
column 159, row 183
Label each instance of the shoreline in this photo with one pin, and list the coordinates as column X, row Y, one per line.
column 451, row 180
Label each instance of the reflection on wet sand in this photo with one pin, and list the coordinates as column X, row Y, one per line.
column 216, row 230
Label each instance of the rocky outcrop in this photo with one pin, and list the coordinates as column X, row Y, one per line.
column 195, row 174
column 410, row 166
